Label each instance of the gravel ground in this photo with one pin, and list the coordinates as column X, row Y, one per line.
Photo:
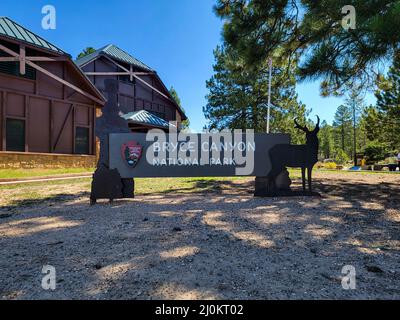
column 223, row 244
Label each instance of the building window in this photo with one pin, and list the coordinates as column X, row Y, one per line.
column 15, row 135
column 12, row 68
column 82, row 140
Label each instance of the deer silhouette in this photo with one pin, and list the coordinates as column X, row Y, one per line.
column 296, row 156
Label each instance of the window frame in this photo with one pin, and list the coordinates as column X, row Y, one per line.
column 87, row 129
column 23, row 120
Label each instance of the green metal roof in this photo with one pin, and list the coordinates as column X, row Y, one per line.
column 118, row 54
column 11, row 29
column 147, row 118
column 113, row 52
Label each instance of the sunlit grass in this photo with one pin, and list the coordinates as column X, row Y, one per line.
column 32, row 173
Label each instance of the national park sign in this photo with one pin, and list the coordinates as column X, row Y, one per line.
column 124, row 156
column 160, row 154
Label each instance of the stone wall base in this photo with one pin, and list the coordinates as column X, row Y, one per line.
column 26, row 160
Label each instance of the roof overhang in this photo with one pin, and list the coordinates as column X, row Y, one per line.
column 14, row 31
column 146, row 119
column 54, row 57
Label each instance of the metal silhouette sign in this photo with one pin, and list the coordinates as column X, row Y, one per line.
column 295, row 156
column 108, row 183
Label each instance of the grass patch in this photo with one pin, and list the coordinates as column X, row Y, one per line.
column 33, row 173
column 33, row 185
column 35, row 193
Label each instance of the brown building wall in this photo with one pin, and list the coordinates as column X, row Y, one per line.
column 2, row 114
column 50, row 124
column 51, row 112
column 178, row 117
column 39, row 128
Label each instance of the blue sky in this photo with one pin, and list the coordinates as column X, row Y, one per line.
column 176, row 38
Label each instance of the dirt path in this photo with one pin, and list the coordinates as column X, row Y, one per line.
column 224, row 244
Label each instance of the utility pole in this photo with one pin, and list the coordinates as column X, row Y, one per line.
column 354, row 132
column 269, row 94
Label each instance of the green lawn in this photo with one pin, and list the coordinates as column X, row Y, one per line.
column 32, row 173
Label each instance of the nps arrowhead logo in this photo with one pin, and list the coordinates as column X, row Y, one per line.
column 131, row 152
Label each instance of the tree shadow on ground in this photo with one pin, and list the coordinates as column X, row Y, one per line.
column 49, row 200
column 218, row 245
column 213, row 186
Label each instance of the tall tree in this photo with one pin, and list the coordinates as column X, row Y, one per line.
column 238, row 96
column 373, row 123
column 285, row 29
column 326, row 140
column 388, row 104
column 342, row 125
column 86, row 52
column 185, row 123
column 355, row 103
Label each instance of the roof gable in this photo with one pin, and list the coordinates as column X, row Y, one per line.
column 116, row 53
column 13, row 30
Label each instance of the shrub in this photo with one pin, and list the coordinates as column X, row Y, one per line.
column 376, row 151
column 330, row 165
column 341, row 156
column 389, row 160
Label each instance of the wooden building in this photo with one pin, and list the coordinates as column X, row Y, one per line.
column 47, row 105
column 143, row 99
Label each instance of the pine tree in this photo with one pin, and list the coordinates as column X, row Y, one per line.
column 185, row 123
column 355, row 104
column 263, row 28
column 342, row 129
column 326, row 140
column 388, row 105
column 86, row 52
column 373, row 123
column 238, row 96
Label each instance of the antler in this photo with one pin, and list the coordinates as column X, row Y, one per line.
column 298, row 126
column 317, row 126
